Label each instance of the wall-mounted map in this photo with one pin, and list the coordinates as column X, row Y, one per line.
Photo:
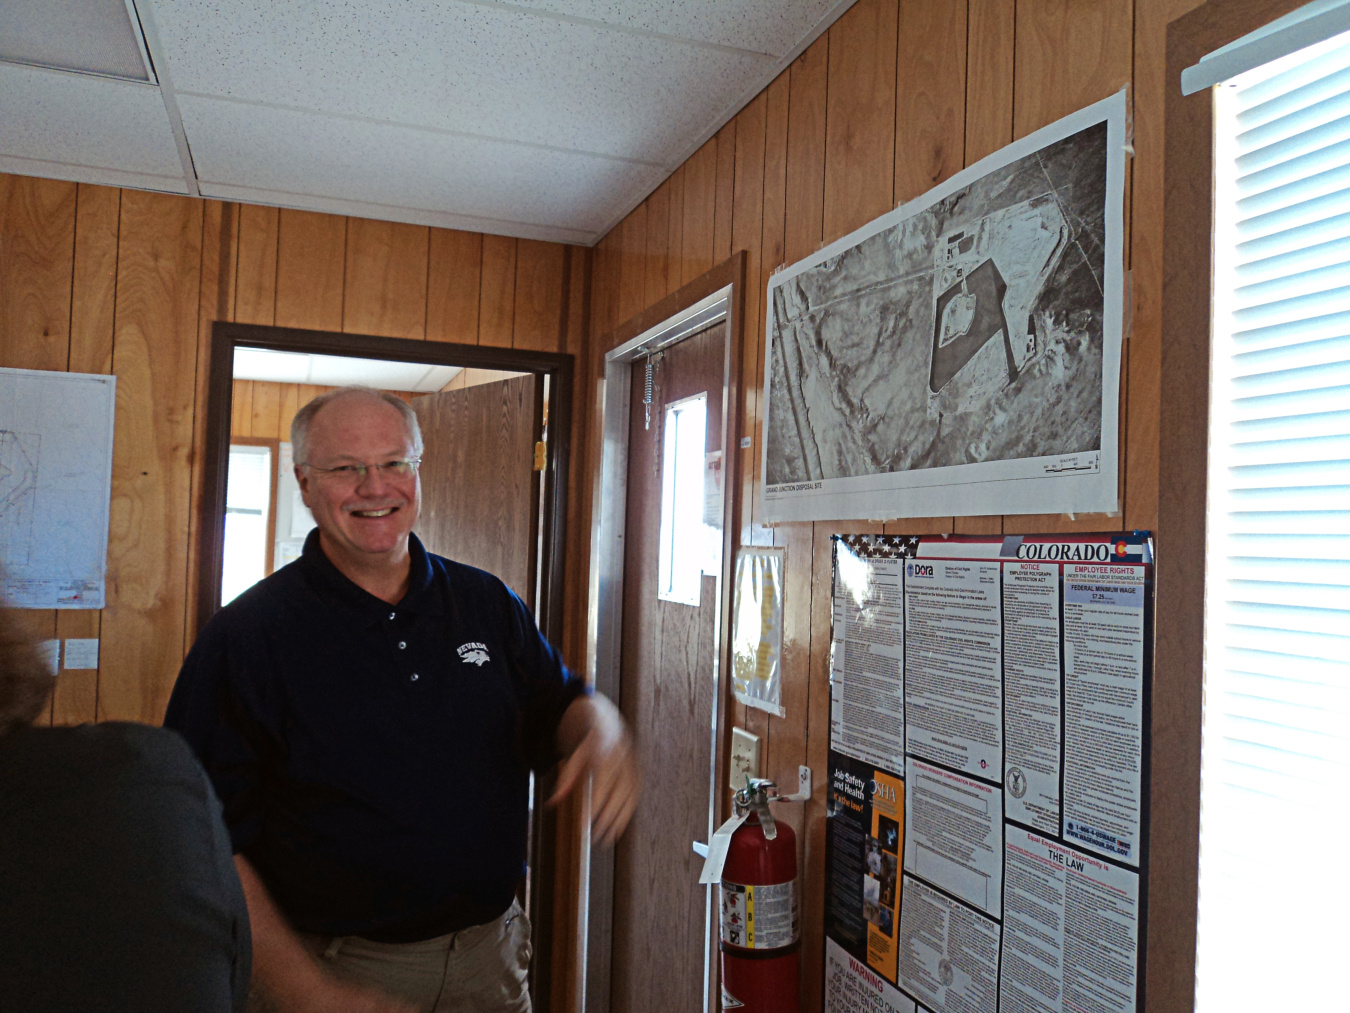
column 961, row 354
column 56, row 444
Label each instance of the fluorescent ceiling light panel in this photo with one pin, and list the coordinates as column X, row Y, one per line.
column 93, row 36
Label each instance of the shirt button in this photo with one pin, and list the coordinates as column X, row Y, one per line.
column 392, row 614
column 402, row 644
column 414, row 677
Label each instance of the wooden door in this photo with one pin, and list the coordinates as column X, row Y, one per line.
column 660, row 928
column 480, row 492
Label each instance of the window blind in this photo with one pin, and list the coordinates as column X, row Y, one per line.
column 1275, row 792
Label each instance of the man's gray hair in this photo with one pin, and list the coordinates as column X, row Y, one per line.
column 305, row 416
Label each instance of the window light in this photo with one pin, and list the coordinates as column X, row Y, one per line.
column 1275, row 766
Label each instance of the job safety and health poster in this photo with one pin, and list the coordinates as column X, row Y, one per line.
column 985, row 849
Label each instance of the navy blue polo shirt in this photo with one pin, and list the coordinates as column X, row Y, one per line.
column 374, row 759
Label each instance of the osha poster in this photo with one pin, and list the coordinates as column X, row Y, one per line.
column 988, row 770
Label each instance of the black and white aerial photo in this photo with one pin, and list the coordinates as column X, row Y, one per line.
column 971, row 331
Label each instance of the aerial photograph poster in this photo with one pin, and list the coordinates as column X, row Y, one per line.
column 960, row 354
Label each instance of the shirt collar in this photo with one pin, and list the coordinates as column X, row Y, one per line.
column 423, row 597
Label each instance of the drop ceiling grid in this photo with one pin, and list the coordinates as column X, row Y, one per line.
column 454, row 66
column 548, row 119
column 305, row 153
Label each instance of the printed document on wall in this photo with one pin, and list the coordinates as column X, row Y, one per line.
column 1104, row 707
column 959, row 354
column 867, row 674
column 56, row 444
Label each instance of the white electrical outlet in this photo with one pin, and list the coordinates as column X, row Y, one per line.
column 744, row 757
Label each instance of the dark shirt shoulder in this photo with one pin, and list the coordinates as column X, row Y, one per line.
column 120, row 890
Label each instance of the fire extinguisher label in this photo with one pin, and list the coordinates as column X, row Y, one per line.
column 760, row 917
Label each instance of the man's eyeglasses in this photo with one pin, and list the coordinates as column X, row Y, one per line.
column 355, row 474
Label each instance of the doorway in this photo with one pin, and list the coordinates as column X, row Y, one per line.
column 663, row 537
column 511, row 407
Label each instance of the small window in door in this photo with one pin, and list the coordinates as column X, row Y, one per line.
column 248, row 521
column 683, row 539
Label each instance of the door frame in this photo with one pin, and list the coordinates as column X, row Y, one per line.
column 556, row 369
column 715, row 297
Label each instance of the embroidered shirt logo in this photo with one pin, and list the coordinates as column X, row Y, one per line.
column 474, row 654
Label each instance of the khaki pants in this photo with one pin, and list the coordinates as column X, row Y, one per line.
column 481, row 969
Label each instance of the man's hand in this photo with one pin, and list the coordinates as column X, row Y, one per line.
column 285, row 974
column 595, row 740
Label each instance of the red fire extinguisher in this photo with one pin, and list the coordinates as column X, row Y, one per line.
column 760, row 931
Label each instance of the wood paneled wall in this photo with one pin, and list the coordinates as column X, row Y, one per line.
column 100, row 280
column 895, row 97
column 265, row 409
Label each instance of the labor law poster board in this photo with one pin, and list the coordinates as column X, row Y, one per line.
column 961, row 353
column 986, row 847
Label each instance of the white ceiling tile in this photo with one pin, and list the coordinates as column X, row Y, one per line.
column 480, row 69
column 301, row 154
column 81, row 120
column 761, row 26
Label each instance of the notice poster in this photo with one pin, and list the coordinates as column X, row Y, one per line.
column 986, row 847
column 863, row 843
column 955, row 836
column 1104, row 707
column 867, row 673
column 1071, row 943
column 954, row 683
column 1031, row 660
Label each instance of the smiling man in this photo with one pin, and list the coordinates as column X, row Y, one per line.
column 369, row 716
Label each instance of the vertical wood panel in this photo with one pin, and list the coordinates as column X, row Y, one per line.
column 256, row 273
column 497, row 299
column 214, row 301
column 724, row 209
column 772, row 257
column 287, row 406
column 748, row 234
column 675, row 242
column 454, row 274
column 633, row 263
column 266, row 409
column 657, row 280
column 806, row 152
column 94, row 281
column 989, row 77
column 385, row 291
column 154, row 357
column 241, row 408
column 860, row 119
column 1099, row 35
column 1144, row 368
column 37, row 255
column 605, row 292
column 37, row 249
column 311, row 264
column 538, row 321
column 930, row 96
column 700, row 206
